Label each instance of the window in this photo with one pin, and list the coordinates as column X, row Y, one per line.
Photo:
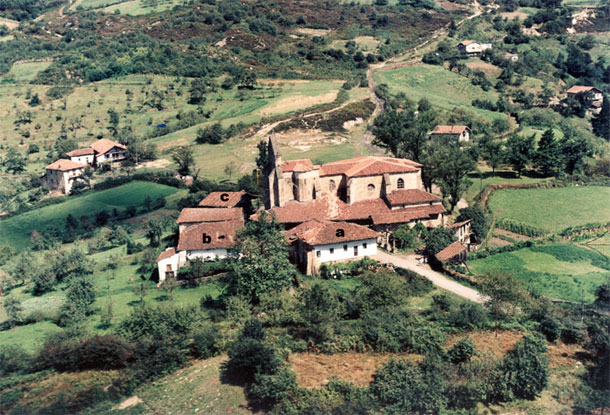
column 355, row 250
column 318, row 254
column 332, row 251
column 345, row 247
column 371, row 187
column 169, row 267
column 332, row 185
column 400, row 184
column 364, row 245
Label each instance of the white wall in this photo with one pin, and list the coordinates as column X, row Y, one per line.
column 173, row 261
column 86, row 159
column 340, row 254
column 208, row 254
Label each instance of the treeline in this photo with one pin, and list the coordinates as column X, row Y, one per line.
column 26, row 9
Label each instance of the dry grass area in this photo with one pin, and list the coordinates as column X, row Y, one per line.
column 565, row 355
column 487, row 343
column 497, row 243
column 313, row 32
column 298, row 102
column 11, row 24
column 315, row 370
column 487, row 68
column 515, row 236
column 512, row 15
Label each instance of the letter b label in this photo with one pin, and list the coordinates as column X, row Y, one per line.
column 206, row 238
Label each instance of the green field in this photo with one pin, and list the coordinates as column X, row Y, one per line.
column 558, row 271
column 138, row 7
column 16, row 230
column 553, row 209
column 25, row 72
column 502, row 177
column 443, row 88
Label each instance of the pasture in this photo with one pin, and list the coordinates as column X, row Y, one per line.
column 443, row 88
column 553, row 209
column 562, row 271
column 16, row 230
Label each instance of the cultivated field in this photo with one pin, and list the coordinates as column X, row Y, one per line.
column 16, row 230
column 562, row 271
column 553, row 209
column 443, row 88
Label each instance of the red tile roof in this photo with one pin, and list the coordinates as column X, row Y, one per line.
column 323, row 233
column 297, row 212
column 361, row 210
column 194, row 215
column 577, row 89
column 65, row 165
column 297, row 166
column 104, row 145
column 222, row 199
column 451, row 251
column 407, row 214
column 450, row 129
column 220, row 234
column 166, row 254
column 411, row 197
column 458, row 224
column 467, row 42
column 368, row 166
column 80, row 152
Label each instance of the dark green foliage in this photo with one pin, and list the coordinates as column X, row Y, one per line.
column 379, row 290
column 478, row 225
column 451, row 168
column 402, row 387
column 462, row 351
column 320, row 310
column 601, row 121
column 548, row 155
column 260, row 259
column 550, row 328
column 524, row 371
column 405, row 237
column 602, row 296
column 205, row 342
column 469, row 316
column 520, row 151
column 250, row 356
column 438, row 239
column 80, row 296
column 269, row 389
column 13, row 359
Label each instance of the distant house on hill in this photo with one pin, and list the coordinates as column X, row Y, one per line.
column 314, row 243
column 99, row 152
column 513, row 57
column 472, row 47
column 62, row 174
column 206, row 241
column 590, row 96
column 457, row 132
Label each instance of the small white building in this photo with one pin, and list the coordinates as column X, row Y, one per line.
column 206, row 241
column 472, row 47
column 82, row 155
column 513, row 57
column 62, row 174
column 314, row 243
column 457, row 132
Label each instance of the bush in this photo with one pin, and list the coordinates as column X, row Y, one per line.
column 205, row 342
column 268, row 390
column 13, row 359
column 550, row 328
column 248, row 357
column 469, row 316
column 462, row 351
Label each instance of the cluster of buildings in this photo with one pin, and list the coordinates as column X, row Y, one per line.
column 591, row 97
column 330, row 213
column 63, row 173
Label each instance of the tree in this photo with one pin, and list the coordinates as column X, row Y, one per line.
column 14, row 162
column 452, row 166
column 86, row 176
column 492, row 152
column 260, row 259
column 34, row 101
column 503, row 291
column 601, row 121
column 230, row 168
column 574, row 151
column 212, row 134
column 154, row 232
column 183, row 157
column 478, row 224
column 439, row 239
column 250, row 356
column 80, row 297
column 113, row 122
column 197, row 91
column 548, row 155
column 520, row 151
column 14, row 311
column 320, row 310
column 262, row 159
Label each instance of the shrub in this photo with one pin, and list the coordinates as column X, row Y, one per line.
column 13, row 359
column 462, row 351
column 205, row 342
column 267, row 390
column 469, row 316
column 550, row 328
column 248, row 356
column 573, row 334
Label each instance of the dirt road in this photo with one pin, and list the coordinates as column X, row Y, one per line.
column 409, row 262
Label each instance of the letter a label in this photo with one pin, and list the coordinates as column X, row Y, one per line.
column 340, row 233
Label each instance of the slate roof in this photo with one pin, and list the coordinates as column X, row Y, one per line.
column 451, row 251
column 194, row 215
column 323, row 233
column 368, row 166
column 65, row 165
column 215, row 199
column 221, row 234
column 411, row 197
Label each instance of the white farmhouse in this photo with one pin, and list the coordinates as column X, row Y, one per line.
column 207, row 241
column 314, row 243
column 82, row 155
column 62, row 174
column 472, row 47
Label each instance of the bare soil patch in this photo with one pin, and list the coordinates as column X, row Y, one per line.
column 315, row 370
column 142, row 220
column 485, row 67
column 510, row 234
column 487, row 343
column 565, row 355
column 513, row 15
column 155, row 164
column 304, row 139
column 129, row 402
column 299, row 102
column 313, row 32
column 497, row 242
column 11, row 24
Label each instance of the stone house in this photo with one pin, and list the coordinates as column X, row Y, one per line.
column 314, row 243
column 513, row 57
column 462, row 231
column 62, row 174
column 456, row 132
column 99, row 152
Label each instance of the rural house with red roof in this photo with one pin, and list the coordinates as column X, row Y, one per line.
column 456, row 132
column 99, row 152
column 62, row 174
column 472, row 47
column 590, row 96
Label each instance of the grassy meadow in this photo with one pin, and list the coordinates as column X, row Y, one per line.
column 444, row 89
column 553, row 209
column 558, row 270
column 16, row 230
